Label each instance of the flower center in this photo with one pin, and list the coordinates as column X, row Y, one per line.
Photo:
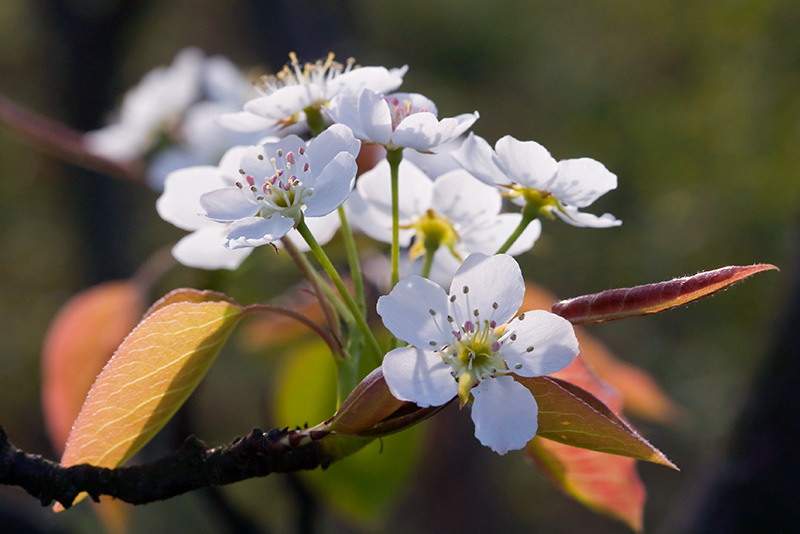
column 318, row 73
column 537, row 201
column 400, row 109
column 432, row 231
column 284, row 191
column 476, row 352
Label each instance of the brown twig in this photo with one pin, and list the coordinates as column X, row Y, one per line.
column 191, row 467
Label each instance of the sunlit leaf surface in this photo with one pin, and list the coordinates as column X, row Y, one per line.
column 150, row 376
column 81, row 339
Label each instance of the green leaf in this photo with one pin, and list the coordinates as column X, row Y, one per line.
column 616, row 304
column 362, row 486
column 150, row 376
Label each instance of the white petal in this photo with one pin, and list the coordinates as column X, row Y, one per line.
column 415, row 190
column 372, row 221
column 244, row 121
column 552, row 338
column 526, row 162
column 227, row 204
column 419, row 376
column 180, row 202
column 581, row 181
column 169, row 160
column 490, row 280
column 285, row 102
column 375, row 117
column 422, row 131
column 332, row 186
column 344, row 110
column 323, row 148
column 489, row 234
column 434, row 164
column 587, row 220
column 205, row 249
column 505, row 414
column 376, row 78
column 406, row 312
column 256, row 231
column 461, row 197
column 478, row 157
column 229, row 165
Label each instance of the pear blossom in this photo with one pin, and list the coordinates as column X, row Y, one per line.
column 204, row 247
column 286, row 96
column 469, row 344
column 531, row 176
column 171, row 116
column 282, row 182
column 407, row 120
column 457, row 213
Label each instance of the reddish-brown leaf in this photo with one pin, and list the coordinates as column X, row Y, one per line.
column 573, row 416
column 150, row 376
column 370, row 402
column 81, row 339
column 641, row 394
column 651, row 298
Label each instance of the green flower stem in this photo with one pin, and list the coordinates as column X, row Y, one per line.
column 394, row 157
column 315, row 120
column 322, row 258
column 352, row 260
column 426, row 267
column 319, row 286
column 347, row 372
column 528, row 216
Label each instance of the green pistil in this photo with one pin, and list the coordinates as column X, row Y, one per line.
column 315, row 120
column 432, row 232
column 538, row 202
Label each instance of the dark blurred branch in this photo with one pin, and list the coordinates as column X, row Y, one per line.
column 193, row 466
column 63, row 142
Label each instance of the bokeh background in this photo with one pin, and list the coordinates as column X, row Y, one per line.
column 694, row 105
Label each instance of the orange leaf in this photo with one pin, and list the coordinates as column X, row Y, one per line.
column 641, row 394
column 150, row 376
column 81, row 339
column 651, row 298
column 606, row 483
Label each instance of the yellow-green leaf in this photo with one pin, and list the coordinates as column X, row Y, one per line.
column 150, row 376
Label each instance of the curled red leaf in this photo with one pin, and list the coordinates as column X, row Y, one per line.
column 651, row 298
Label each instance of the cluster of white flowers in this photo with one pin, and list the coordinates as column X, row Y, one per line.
column 437, row 195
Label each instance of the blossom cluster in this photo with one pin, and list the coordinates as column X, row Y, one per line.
column 455, row 208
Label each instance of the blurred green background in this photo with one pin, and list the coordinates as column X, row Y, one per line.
column 694, row 105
